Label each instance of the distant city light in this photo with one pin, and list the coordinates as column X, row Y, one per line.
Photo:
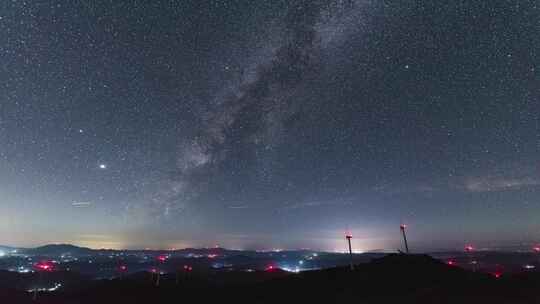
column 293, row 270
column 54, row 288
column 20, row 269
column 270, row 268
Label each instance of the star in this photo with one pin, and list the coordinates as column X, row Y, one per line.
column 243, row 107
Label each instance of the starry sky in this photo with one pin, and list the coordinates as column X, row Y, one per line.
column 269, row 124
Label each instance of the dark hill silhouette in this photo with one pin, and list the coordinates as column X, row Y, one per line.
column 58, row 249
column 14, row 296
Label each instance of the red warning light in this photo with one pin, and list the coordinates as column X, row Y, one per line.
column 44, row 266
column 497, row 275
column 451, row 263
column 469, row 248
column 123, row 268
column 162, row 258
column 536, row 248
column 402, row 226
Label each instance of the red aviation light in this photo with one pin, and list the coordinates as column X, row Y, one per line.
column 44, row 266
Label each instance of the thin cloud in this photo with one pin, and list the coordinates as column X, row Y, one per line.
column 81, row 204
column 500, row 184
column 238, row 207
column 312, row 205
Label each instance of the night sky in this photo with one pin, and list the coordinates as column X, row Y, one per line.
column 269, row 124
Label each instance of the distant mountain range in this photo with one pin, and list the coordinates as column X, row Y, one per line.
column 50, row 249
column 58, row 249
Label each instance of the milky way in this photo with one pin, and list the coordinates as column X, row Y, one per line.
column 263, row 124
column 254, row 111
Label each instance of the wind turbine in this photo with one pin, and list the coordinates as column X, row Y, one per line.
column 187, row 270
column 161, row 259
column 122, row 269
column 348, row 236
column 536, row 249
column 469, row 249
column 403, row 227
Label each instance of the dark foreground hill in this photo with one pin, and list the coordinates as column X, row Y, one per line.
column 392, row 279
